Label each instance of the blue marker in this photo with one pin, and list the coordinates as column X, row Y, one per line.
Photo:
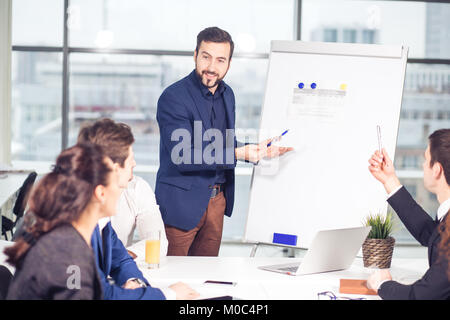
column 301, row 85
column 277, row 138
column 313, row 85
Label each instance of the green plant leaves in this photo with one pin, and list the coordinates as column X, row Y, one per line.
column 382, row 226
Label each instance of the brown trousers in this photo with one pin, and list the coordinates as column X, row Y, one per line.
column 205, row 238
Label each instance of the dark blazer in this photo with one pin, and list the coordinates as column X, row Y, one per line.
column 435, row 283
column 113, row 260
column 49, row 268
column 182, row 189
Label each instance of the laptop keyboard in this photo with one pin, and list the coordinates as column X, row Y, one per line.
column 289, row 269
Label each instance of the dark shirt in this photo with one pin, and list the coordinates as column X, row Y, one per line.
column 59, row 266
column 215, row 105
column 434, row 284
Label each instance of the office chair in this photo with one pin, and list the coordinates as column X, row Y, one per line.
column 19, row 206
column 5, row 280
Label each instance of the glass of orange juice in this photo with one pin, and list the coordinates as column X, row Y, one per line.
column 152, row 249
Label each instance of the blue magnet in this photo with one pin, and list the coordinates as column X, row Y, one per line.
column 288, row 239
column 301, row 85
column 313, row 85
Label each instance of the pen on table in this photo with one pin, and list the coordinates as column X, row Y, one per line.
column 277, row 138
column 220, row 282
column 379, row 141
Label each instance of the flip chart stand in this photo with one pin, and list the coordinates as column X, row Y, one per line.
column 255, row 247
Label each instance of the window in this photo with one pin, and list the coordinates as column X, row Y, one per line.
column 368, row 36
column 410, row 162
column 36, row 105
column 426, row 95
column 416, row 24
column 37, row 23
column 125, row 88
column 148, row 45
column 412, row 189
column 349, row 36
column 174, row 24
column 330, row 35
column 126, row 84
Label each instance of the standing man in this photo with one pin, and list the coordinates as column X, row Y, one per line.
column 195, row 183
column 436, row 177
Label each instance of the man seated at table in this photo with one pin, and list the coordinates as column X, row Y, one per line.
column 137, row 208
column 118, row 271
column 434, row 284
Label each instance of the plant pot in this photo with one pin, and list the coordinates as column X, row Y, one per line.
column 377, row 253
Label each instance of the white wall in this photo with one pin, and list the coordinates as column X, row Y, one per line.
column 5, row 81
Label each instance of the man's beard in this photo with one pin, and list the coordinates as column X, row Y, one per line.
column 207, row 82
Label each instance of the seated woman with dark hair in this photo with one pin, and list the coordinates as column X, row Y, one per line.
column 53, row 258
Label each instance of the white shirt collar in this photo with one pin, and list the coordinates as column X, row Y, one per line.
column 132, row 183
column 443, row 209
column 103, row 222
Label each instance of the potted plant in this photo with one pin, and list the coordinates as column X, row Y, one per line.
column 379, row 244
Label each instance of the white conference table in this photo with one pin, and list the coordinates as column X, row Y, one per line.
column 253, row 283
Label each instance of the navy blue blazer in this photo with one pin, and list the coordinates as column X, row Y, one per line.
column 182, row 189
column 434, row 284
column 113, row 260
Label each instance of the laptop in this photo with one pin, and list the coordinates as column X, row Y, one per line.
column 330, row 250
